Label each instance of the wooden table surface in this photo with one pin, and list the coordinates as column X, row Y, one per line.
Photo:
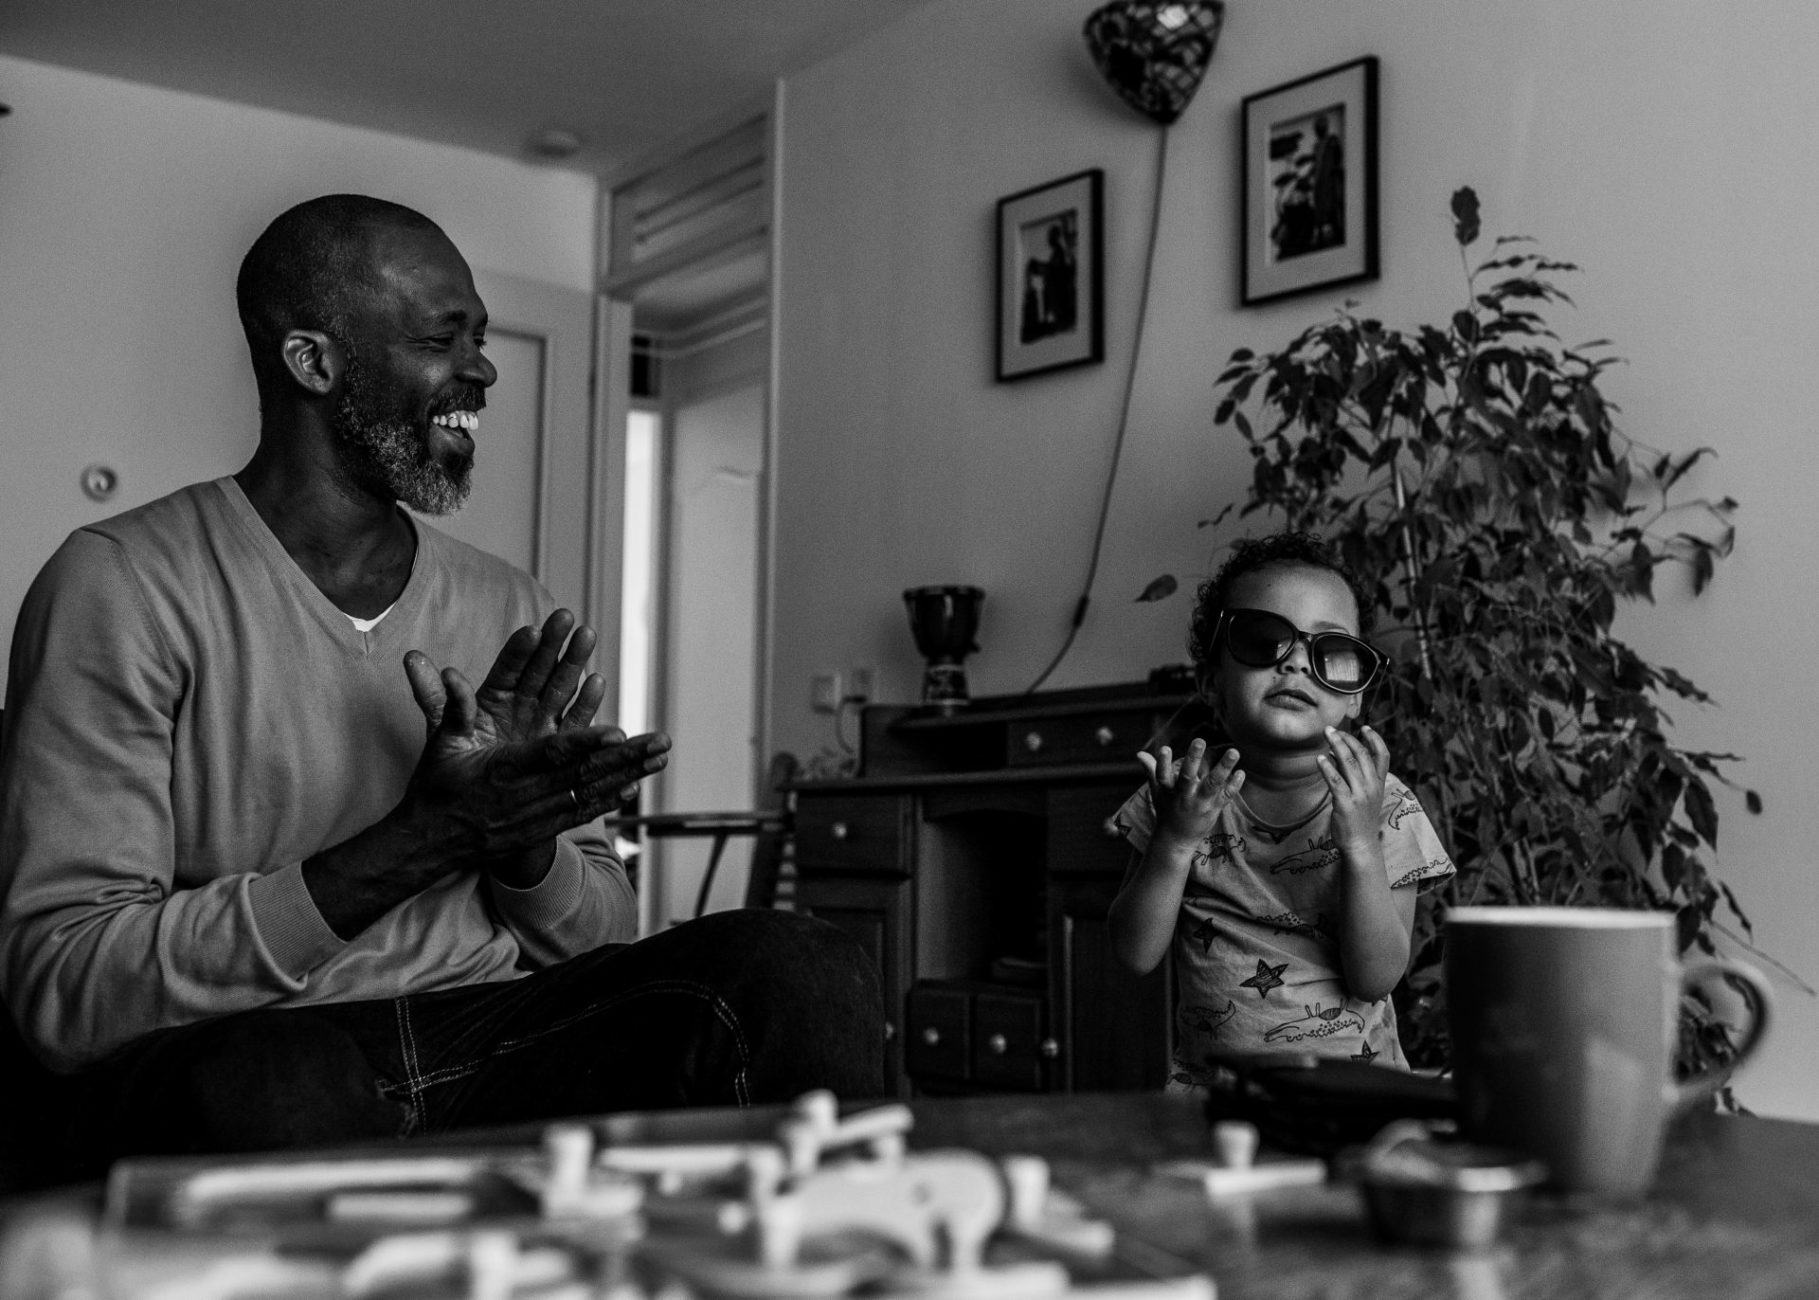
column 1734, row 1214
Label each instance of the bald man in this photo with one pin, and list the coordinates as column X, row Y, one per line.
column 274, row 870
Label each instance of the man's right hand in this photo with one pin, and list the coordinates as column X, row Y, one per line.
column 488, row 789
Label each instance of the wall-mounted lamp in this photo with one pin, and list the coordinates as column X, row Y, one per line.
column 1154, row 54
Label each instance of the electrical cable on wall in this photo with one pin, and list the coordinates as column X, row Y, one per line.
column 1154, row 54
column 1124, row 415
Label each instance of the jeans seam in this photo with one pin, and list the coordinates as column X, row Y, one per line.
column 722, row 1012
column 414, row 1082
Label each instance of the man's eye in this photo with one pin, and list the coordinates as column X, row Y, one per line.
column 480, row 340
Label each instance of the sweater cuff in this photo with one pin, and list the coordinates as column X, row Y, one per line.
column 551, row 899
column 295, row 936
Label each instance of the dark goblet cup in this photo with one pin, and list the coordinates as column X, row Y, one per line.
column 944, row 621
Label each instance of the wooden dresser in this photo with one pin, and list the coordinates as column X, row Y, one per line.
column 974, row 858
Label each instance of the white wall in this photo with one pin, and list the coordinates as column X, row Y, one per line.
column 124, row 212
column 1661, row 144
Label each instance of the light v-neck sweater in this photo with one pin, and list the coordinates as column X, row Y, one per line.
column 187, row 719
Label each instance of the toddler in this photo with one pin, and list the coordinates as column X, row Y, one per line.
column 1283, row 872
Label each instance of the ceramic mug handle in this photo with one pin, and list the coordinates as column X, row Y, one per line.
column 1690, row 1091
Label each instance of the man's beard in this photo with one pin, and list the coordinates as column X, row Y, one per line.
column 391, row 453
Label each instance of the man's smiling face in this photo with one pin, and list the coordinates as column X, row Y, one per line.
column 1283, row 707
column 415, row 375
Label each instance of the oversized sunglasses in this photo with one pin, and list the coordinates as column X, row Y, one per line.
column 1257, row 638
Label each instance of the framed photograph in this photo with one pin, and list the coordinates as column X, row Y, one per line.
column 1310, row 183
column 1051, row 291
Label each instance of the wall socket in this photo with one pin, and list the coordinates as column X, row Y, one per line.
column 829, row 691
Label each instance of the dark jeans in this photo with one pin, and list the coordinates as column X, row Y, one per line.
column 732, row 1009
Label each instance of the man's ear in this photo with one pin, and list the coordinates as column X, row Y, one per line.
column 314, row 361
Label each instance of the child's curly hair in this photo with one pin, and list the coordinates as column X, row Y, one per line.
column 1250, row 554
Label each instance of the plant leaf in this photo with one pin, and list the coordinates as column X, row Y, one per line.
column 1159, row 588
column 1465, row 215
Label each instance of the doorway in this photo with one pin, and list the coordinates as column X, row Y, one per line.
column 690, row 279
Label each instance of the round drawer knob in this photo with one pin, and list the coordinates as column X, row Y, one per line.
column 932, row 1036
column 1104, row 737
column 997, row 1044
column 839, row 830
column 1032, row 741
column 1049, row 1048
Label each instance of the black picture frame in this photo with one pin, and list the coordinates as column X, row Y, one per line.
column 1051, row 276
column 1309, row 183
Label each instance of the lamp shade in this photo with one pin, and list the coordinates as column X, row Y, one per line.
column 1154, row 52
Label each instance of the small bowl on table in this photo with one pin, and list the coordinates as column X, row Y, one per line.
column 1421, row 1188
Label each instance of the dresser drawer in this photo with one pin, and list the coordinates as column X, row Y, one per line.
column 846, row 833
column 1008, row 1041
column 1102, row 736
column 938, row 1025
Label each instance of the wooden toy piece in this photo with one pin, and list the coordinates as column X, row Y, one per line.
column 938, row 1207
column 723, row 1269
column 881, row 1130
column 853, row 1223
column 1236, row 1142
column 489, row 1261
column 1267, row 1176
column 282, row 1182
column 570, row 1148
column 1026, row 1181
column 492, row 1263
column 403, row 1259
column 820, row 1108
column 573, row 1189
column 813, row 1129
column 681, row 1160
column 1049, row 1217
column 399, row 1208
column 1032, row 1279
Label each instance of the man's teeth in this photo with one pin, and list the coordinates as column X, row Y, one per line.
column 465, row 420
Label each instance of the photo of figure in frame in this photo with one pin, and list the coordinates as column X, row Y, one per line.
column 1308, row 183
column 1307, row 177
column 1051, row 291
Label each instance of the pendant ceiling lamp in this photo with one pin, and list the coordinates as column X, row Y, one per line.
column 1154, row 52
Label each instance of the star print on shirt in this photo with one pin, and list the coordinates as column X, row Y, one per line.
column 1267, row 977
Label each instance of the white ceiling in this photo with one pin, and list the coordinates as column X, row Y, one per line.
column 625, row 75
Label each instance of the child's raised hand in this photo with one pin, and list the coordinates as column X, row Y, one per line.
column 1189, row 792
column 1355, row 771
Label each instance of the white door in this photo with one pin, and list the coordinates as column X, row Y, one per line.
column 716, row 451
column 533, row 499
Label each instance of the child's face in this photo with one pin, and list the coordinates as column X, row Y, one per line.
column 1284, row 708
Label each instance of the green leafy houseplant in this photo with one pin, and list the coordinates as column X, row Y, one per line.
column 1471, row 474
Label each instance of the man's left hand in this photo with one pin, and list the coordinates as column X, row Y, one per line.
column 530, row 692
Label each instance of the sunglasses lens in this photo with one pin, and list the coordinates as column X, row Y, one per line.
column 1344, row 663
column 1257, row 639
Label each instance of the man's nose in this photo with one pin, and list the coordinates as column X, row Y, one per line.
column 1300, row 655
column 479, row 370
